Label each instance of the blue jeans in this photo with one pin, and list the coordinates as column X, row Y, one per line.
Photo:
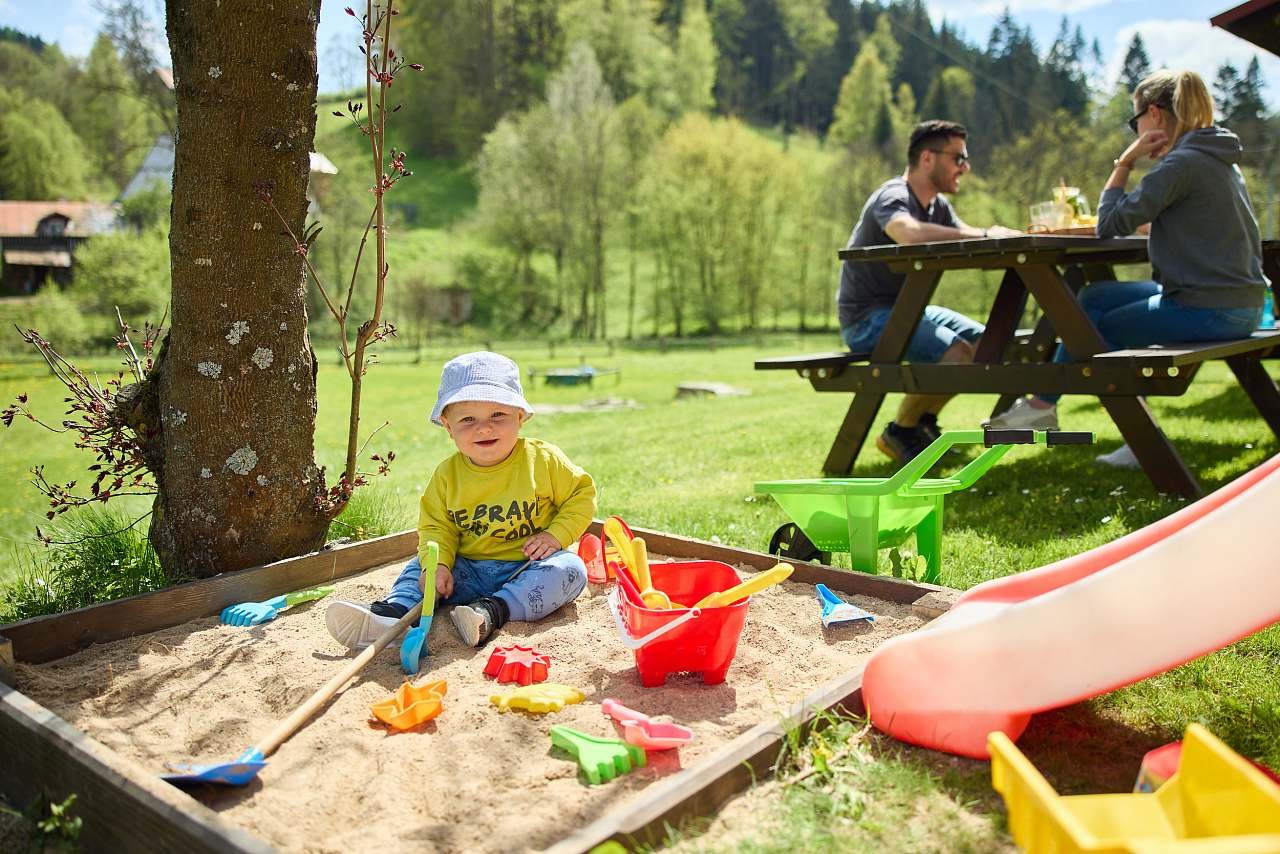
column 533, row 594
column 938, row 329
column 1138, row 314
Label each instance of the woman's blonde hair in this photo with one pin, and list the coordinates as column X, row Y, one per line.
column 1182, row 92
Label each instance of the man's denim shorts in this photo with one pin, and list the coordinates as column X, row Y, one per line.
column 937, row 331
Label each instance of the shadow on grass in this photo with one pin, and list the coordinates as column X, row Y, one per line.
column 1056, row 492
column 1229, row 404
column 1082, row 752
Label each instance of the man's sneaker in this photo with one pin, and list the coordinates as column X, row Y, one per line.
column 477, row 622
column 355, row 626
column 901, row 444
column 1120, row 458
column 1022, row 415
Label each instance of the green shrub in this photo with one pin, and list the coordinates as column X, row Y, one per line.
column 371, row 513
column 54, row 314
column 148, row 208
column 95, row 557
column 125, row 270
column 506, row 296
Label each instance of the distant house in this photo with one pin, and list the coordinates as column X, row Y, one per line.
column 38, row 240
column 157, row 168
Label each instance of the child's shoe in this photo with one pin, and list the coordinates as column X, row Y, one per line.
column 355, row 626
column 477, row 622
column 1121, row 458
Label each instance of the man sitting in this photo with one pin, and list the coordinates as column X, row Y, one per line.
column 912, row 209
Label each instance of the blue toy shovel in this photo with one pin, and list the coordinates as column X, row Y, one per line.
column 414, row 645
column 245, row 768
column 835, row 610
column 255, row 613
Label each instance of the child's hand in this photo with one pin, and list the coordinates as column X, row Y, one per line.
column 541, row 546
column 444, row 581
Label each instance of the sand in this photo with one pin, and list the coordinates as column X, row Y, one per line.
column 473, row 779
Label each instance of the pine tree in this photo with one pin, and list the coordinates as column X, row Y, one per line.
column 1136, row 64
column 1248, row 109
column 864, row 96
column 1224, row 92
column 695, row 60
column 110, row 117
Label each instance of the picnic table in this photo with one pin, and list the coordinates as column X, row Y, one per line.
column 1051, row 269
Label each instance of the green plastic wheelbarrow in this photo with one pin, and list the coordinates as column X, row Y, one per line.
column 861, row 515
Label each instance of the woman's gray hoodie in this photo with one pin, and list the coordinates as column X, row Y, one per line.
column 1205, row 249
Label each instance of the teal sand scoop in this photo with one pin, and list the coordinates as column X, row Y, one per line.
column 414, row 645
column 835, row 610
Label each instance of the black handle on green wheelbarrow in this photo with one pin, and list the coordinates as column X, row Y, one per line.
column 246, row 767
column 1068, row 437
column 992, row 436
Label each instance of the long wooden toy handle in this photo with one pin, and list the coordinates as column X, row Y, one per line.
column 325, row 692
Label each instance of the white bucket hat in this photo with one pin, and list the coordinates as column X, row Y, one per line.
column 480, row 376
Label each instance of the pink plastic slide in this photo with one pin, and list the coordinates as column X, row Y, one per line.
column 1175, row 590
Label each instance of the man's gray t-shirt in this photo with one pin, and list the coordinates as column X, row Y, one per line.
column 864, row 286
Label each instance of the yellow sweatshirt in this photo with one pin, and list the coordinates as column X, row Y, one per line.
column 487, row 512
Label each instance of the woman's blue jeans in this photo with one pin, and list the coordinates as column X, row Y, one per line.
column 1138, row 314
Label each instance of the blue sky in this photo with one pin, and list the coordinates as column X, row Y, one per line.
column 1178, row 36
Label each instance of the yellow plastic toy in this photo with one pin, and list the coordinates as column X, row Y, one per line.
column 412, row 705
column 540, row 698
column 1216, row 803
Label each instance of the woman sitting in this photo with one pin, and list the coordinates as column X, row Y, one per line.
column 1205, row 250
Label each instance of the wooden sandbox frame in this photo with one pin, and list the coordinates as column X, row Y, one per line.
column 125, row 806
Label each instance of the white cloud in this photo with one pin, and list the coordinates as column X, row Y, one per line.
column 985, row 8
column 1192, row 44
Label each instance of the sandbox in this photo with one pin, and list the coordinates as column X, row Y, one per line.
column 474, row 778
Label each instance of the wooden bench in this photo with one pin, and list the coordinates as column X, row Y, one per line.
column 1261, row 345
column 1162, row 370
column 816, row 364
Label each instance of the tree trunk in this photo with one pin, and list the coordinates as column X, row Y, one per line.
column 235, row 386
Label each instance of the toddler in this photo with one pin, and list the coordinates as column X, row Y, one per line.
column 499, row 503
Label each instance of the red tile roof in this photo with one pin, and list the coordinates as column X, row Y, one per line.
column 19, row 219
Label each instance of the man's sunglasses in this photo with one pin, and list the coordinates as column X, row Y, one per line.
column 961, row 159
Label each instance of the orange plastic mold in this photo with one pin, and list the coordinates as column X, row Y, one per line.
column 411, row 705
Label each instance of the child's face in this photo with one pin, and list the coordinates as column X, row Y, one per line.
column 485, row 433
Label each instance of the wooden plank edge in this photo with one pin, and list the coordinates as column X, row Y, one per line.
column 702, row 789
column 45, row 638
column 8, row 668
column 123, row 806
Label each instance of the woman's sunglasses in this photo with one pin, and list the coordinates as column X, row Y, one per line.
column 1133, row 122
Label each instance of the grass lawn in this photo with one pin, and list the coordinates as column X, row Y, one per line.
column 688, row 467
